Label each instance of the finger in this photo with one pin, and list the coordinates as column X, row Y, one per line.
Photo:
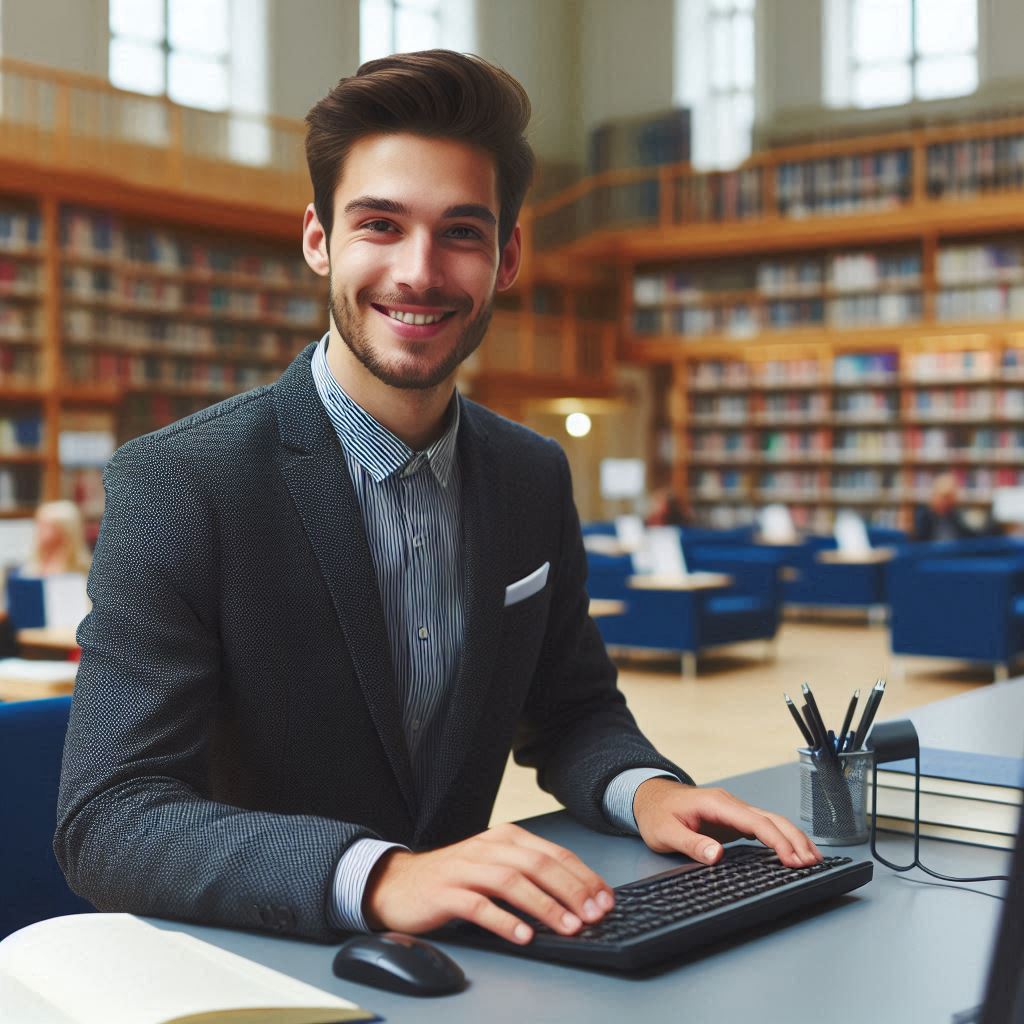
column 478, row 909
column 553, row 877
column 521, row 893
column 736, row 814
column 594, row 886
column 801, row 841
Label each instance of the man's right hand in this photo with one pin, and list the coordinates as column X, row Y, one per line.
column 417, row 892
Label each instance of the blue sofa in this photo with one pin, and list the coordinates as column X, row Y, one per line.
column 32, row 886
column 961, row 599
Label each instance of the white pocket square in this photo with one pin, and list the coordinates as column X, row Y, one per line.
column 527, row 586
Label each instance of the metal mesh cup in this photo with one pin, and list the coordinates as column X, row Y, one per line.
column 834, row 800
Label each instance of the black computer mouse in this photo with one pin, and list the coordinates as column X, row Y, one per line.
column 398, row 963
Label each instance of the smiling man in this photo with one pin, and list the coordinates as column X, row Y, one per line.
column 324, row 611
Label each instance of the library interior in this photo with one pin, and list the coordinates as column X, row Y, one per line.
column 770, row 305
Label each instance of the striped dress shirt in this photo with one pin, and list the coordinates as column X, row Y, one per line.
column 411, row 506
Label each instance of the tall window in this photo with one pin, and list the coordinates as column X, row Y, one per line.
column 715, row 77
column 900, row 50
column 398, row 26
column 175, row 47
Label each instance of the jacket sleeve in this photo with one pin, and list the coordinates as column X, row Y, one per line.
column 137, row 829
column 576, row 729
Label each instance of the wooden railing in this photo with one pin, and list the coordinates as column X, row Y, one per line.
column 80, row 124
column 910, row 169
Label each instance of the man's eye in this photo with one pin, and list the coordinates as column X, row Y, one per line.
column 378, row 225
column 463, row 232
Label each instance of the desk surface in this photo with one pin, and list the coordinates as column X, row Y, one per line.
column 601, row 607
column 893, row 951
column 55, row 638
column 874, row 556
column 691, row 581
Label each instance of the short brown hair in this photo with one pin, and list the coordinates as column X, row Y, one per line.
column 435, row 93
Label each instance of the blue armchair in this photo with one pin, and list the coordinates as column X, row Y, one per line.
column 32, row 886
column 818, row 583
column 687, row 622
column 962, row 600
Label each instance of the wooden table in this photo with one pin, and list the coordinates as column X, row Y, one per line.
column 15, row 687
column 601, row 606
column 873, row 556
column 691, row 581
column 60, row 640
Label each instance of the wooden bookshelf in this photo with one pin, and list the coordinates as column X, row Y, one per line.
column 841, row 321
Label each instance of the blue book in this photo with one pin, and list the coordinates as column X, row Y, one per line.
column 962, row 774
column 965, row 797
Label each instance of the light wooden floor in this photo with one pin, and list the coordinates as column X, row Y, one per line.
column 732, row 718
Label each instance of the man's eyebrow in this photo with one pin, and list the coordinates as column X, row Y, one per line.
column 476, row 210
column 376, row 205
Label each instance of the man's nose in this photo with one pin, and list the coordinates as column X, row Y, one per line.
column 417, row 264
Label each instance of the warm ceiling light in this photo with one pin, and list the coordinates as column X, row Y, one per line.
column 577, row 424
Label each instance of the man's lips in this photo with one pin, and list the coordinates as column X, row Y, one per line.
column 415, row 323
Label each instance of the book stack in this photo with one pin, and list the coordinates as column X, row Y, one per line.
column 965, row 798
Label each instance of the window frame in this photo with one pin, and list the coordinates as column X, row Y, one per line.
column 166, row 49
column 854, row 65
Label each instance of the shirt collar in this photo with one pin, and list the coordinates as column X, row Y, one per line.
column 374, row 447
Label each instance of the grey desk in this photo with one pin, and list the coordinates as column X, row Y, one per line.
column 895, row 950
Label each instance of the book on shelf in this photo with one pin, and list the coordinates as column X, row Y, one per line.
column 966, row 797
column 118, row 969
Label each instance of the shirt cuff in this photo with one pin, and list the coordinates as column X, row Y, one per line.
column 345, row 908
column 618, row 797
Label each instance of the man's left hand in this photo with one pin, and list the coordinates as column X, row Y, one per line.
column 673, row 817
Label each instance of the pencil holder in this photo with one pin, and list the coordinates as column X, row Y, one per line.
column 834, row 798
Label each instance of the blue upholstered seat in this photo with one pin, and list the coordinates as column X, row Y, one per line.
column 32, row 886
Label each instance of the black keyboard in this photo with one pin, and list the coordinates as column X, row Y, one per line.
column 689, row 906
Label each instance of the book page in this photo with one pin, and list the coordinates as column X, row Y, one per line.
column 117, row 969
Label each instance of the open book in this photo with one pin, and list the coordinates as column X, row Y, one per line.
column 117, row 969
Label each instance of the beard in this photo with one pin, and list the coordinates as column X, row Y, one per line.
column 404, row 371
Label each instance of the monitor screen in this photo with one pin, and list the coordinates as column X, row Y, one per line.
column 1004, row 994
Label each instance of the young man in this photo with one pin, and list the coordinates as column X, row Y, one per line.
column 325, row 610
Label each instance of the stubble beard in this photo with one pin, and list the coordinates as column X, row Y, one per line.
column 400, row 373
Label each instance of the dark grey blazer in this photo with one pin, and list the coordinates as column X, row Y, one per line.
column 235, row 725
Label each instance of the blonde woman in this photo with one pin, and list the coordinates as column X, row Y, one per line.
column 59, row 541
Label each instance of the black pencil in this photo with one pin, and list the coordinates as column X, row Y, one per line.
column 848, row 719
column 799, row 721
column 869, row 715
column 819, row 722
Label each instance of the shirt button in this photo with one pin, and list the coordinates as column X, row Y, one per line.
column 422, row 633
column 415, row 723
column 417, row 542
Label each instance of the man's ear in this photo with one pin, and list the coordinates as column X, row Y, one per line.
column 508, row 264
column 314, row 243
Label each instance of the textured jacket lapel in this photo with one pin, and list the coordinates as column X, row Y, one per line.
column 314, row 469
column 485, row 518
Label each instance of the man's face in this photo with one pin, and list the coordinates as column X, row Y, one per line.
column 414, row 257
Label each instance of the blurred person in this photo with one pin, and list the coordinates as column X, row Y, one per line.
column 941, row 518
column 667, row 510
column 59, row 544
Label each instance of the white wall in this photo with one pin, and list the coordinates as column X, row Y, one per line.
column 538, row 41
column 625, row 58
column 312, row 44
column 71, row 36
